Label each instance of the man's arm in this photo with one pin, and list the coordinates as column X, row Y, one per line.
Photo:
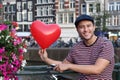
column 97, row 68
column 51, row 61
column 44, row 57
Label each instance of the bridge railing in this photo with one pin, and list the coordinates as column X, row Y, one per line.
column 42, row 71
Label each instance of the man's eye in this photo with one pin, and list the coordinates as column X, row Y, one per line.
column 88, row 25
column 80, row 27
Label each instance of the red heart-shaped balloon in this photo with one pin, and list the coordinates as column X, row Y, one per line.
column 45, row 34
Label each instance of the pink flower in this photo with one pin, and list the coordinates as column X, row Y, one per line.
column 13, row 33
column 3, row 27
column 21, row 58
column 15, row 24
column 3, row 68
column 17, row 41
column 17, row 63
column 11, row 51
column 14, row 57
column 21, row 51
column 6, row 78
column 0, row 58
column 2, row 50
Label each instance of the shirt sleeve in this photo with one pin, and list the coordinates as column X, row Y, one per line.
column 69, row 56
column 107, row 50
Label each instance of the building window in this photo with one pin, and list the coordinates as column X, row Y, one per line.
column 61, row 4
column 111, row 6
column 118, row 6
column 116, row 20
column 9, row 17
column 13, row 9
column 10, row 8
column 14, row 17
column 26, row 28
column 30, row 5
column 83, row 8
column 23, row 28
column 19, row 6
column 30, row 16
column 39, row 11
column 71, row 17
column 90, row 7
column 39, row 1
column 60, row 18
column 45, row 1
column 65, row 18
column 20, row 28
column 45, row 11
column 5, row 17
column 98, row 7
column 5, row 8
column 24, row 5
column 72, row 3
column 50, row 10
column 24, row 15
column 50, row 1
column 19, row 15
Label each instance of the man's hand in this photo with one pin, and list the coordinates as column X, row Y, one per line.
column 61, row 67
column 43, row 54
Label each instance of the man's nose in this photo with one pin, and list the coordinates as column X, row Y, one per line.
column 85, row 28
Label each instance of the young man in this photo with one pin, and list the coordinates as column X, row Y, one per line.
column 92, row 57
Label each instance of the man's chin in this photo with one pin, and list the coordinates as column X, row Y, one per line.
column 86, row 38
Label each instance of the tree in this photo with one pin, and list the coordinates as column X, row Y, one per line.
column 101, row 16
column 106, row 15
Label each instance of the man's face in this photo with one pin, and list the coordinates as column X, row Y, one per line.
column 86, row 29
